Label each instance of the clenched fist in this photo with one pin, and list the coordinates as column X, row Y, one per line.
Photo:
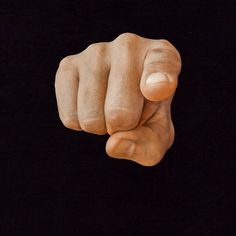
column 123, row 88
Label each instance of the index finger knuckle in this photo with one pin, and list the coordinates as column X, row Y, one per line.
column 118, row 119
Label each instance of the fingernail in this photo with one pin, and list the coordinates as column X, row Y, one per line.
column 156, row 78
column 125, row 148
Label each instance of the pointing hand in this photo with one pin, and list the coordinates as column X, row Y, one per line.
column 123, row 88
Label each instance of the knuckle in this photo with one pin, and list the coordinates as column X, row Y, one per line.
column 66, row 63
column 65, row 66
column 95, row 126
column 126, row 39
column 127, row 36
column 165, row 43
column 120, row 119
column 95, row 56
column 97, row 49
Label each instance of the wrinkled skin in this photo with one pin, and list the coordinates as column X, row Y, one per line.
column 123, row 88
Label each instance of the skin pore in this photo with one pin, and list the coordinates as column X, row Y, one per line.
column 123, row 88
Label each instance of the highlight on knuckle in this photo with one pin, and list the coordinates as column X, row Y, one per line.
column 66, row 63
column 97, row 50
column 165, row 43
column 120, row 119
column 126, row 39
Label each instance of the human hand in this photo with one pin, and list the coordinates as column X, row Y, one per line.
column 123, row 88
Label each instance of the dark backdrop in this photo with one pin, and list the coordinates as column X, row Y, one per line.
column 59, row 182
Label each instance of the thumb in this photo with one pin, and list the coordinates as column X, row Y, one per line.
column 160, row 74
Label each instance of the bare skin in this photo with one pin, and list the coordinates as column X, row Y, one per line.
column 123, row 88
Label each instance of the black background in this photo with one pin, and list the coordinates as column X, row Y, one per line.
column 59, row 182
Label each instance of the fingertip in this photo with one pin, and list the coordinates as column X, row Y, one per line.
column 120, row 148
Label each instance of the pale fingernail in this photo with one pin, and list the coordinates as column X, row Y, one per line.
column 125, row 148
column 157, row 78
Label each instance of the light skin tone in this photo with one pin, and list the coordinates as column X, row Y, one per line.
column 123, row 88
